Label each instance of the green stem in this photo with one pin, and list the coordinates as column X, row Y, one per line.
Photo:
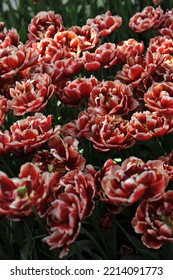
column 38, row 219
column 160, row 145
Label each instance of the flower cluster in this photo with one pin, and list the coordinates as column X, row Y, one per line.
column 54, row 185
column 103, row 123
column 57, row 105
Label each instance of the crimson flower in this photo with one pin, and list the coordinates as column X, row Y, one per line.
column 73, row 204
column 49, row 50
column 18, row 195
column 77, row 128
column 166, row 28
column 154, row 220
column 147, row 19
column 141, row 72
column 111, row 98
column 108, row 132
column 115, row 188
column 132, row 71
column 167, row 31
column 105, row 24
column 151, row 174
column 69, row 39
column 121, row 186
column 128, row 48
column 104, row 56
column 63, row 223
column 14, row 59
column 30, row 133
column 88, row 37
column 65, row 68
column 31, row 95
column 144, row 125
column 159, row 98
column 9, row 38
column 62, row 157
column 162, row 44
column 44, row 25
column 75, row 91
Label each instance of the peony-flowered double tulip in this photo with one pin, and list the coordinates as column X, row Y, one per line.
column 154, row 220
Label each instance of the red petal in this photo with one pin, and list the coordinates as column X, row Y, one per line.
column 135, row 72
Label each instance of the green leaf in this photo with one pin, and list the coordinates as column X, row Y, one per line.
column 23, row 33
column 25, row 251
column 168, row 251
column 111, row 241
column 4, row 255
column 97, row 246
